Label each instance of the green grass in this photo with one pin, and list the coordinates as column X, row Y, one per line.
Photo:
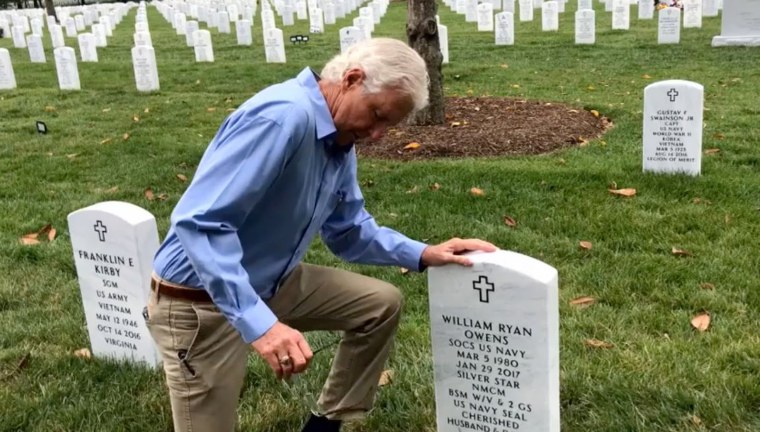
column 660, row 376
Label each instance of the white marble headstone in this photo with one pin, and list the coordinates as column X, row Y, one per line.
column 621, row 15
column 301, row 11
column 495, row 338
column 274, row 46
column 669, row 26
column 646, row 9
column 224, row 22
column 143, row 39
column 79, row 22
column 509, row 6
column 673, row 112
column 191, row 27
column 692, row 13
column 243, row 31
column 36, row 50
column 56, row 36
column 316, row 22
column 204, row 50
column 113, row 244
column 526, row 10
column 146, row 70
column 585, row 27
column 7, row 77
column 505, row 28
column 19, row 37
column 710, row 8
column 329, row 11
column 36, row 24
column 71, row 28
column 485, row 17
column 87, row 47
column 471, row 11
column 549, row 16
column 443, row 42
column 587, row 4
column 66, row 68
column 100, row 35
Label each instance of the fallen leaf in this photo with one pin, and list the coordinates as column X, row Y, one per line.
column 477, row 192
column 125, row 137
column 135, row 118
column 696, row 421
column 719, row 136
column 505, row 66
column 628, row 192
column 595, row 113
column 712, row 151
column 582, row 302
column 182, row 177
column 561, row 161
column 51, row 234
column 612, row 185
column 701, row 322
column 146, row 110
column 510, row 221
column 106, row 141
column 707, row 286
column 412, row 146
column 149, row 194
column 385, row 378
column 83, row 353
column 646, row 76
column 197, row 82
column 403, row 270
column 113, row 189
column 435, row 186
column 585, row 245
column 50, row 108
column 210, row 109
column 516, row 86
column 573, row 111
column 28, row 241
column 590, row 88
column 162, row 197
column 455, row 124
column 393, row 215
column 680, row 252
column 106, row 109
column 72, row 155
column 230, row 109
column 412, row 190
column 595, row 343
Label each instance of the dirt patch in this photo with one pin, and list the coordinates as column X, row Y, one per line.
column 488, row 126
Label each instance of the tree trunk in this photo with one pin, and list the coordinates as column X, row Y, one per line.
column 422, row 34
column 50, row 8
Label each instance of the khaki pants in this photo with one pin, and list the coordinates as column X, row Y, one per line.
column 205, row 358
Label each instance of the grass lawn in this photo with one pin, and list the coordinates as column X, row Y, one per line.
column 107, row 142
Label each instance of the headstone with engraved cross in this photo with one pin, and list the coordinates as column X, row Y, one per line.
column 113, row 244
column 495, row 337
column 673, row 112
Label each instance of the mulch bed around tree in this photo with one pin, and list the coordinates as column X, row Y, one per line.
column 489, row 126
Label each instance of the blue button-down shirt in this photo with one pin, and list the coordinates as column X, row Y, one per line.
column 270, row 180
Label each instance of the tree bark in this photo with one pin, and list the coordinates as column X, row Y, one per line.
column 422, row 35
column 50, row 8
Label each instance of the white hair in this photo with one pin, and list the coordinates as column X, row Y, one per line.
column 387, row 63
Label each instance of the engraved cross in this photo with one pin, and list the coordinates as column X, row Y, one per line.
column 484, row 287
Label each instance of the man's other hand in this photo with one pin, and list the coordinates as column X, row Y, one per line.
column 285, row 349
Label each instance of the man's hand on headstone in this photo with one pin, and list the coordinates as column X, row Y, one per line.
column 449, row 251
column 285, row 349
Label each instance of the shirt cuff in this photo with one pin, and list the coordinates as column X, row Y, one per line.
column 255, row 321
column 411, row 257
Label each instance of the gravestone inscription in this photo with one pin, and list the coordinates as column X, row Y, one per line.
column 495, row 338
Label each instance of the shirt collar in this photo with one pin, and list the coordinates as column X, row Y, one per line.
column 325, row 125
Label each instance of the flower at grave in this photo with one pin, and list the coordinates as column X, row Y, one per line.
column 662, row 4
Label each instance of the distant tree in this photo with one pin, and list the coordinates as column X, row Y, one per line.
column 50, row 8
column 422, row 35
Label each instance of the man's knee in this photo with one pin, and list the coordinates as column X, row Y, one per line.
column 387, row 301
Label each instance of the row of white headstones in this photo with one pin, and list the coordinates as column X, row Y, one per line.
column 502, row 24
column 143, row 54
column 494, row 326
